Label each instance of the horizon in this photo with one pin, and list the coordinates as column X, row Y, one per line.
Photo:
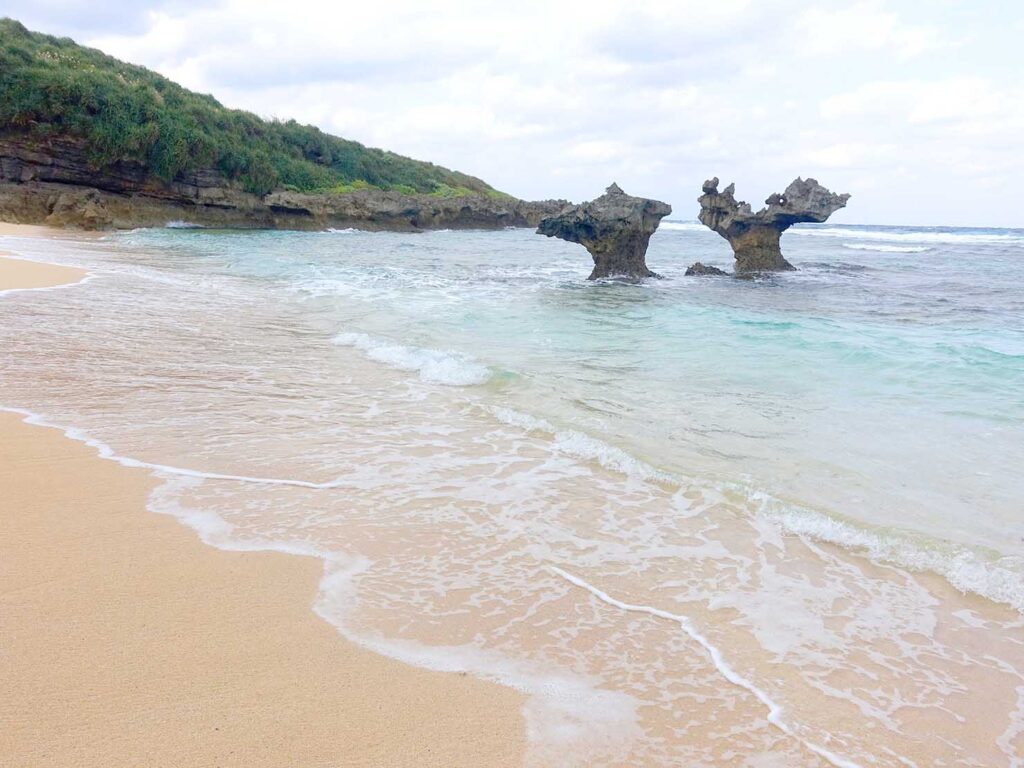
column 911, row 113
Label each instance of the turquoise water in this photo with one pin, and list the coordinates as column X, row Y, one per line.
column 793, row 505
column 883, row 382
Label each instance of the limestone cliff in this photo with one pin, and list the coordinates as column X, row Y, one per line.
column 53, row 182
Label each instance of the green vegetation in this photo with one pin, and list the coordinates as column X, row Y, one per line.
column 54, row 87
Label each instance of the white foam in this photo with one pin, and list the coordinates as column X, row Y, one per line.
column 345, row 231
column 563, row 712
column 59, row 286
column 433, row 365
column 683, row 226
column 178, row 224
column 106, row 452
column 583, row 446
column 10, row 291
column 912, row 237
column 998, row 579
column 887, row 248
column 723, row 667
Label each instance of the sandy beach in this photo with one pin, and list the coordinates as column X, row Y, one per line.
column 126, row 641
column 17, row 274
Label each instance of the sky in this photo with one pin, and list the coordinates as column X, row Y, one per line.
column 915, row 108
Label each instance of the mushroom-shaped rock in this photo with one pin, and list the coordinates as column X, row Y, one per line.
column 754, row 237
column 615, row 228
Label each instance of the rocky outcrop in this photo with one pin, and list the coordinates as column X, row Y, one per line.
column 704, row 270
column 754, row 237
column 615, row 228
column 54, row 183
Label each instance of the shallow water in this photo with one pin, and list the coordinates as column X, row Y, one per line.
column 696, row 519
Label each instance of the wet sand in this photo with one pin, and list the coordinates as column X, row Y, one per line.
column 126, row 641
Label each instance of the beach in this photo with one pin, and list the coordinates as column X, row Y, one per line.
column 371, row 498
column 126, row 641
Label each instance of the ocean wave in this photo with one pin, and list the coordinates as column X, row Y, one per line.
column 582, row 446
column 179, row 224
column 345, row 231
column 882, row 248
column 717, row 659
column 913, row 236
column 683, row 226
column 106, row 452
column 561, row 708
column 1000, row 579
column 433, row 365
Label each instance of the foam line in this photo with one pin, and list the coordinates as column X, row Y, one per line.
column 106, row 452
column 582, row 446
column 734, row 677
column 433, row 365
column 85, row 279
column 882, row 248
column 917, row 236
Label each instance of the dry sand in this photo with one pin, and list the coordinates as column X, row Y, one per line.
column 17, row 273
column 124, row 641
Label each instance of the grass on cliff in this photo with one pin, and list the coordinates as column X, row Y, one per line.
column 53, row 87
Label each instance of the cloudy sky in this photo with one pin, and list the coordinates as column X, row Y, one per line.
column 916, row 108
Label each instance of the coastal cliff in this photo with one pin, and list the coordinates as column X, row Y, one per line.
column 54, row 183
column 89, row 141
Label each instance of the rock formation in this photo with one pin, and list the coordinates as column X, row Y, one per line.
column 615, row 228
column 53, row 182
column 704, row 270
column 754, row 237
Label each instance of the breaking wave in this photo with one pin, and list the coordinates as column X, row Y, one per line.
column 917, row 236
column 433, row 365
column 1000, row 579
column 887, row 248
column 683, row 226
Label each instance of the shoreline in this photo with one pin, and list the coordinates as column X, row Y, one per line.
column 17, row 274
column 127, row 640
column 622, row 647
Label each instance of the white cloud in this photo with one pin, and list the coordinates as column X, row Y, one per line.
column 922, row 101
column 850, row 155
column 557, row 99
column 836, row 31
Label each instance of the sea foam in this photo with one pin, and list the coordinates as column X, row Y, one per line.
column 882, row 248
column 433, row 365
column 1000, row 579
column 683, row 226
column 917, row 236
column 717, row 658
column 583, row 446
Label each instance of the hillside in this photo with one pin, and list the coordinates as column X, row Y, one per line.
column 122, row 113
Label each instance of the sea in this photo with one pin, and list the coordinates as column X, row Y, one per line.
column 696, row 521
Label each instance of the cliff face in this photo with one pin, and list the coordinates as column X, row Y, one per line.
column 52, row 182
